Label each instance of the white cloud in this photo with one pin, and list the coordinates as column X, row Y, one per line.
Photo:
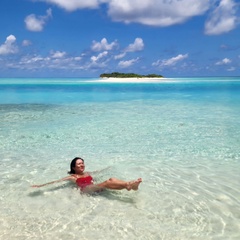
column 29, row 60
column 36, row 62
column 128, row 63
column 171, row 61
column 36, row 23
column 231, row 69
column 72, row 5
column 9, row 46
column 100, row 55
column 223, row 61
column 156, row 12
column 119, row 56
column 223, row 18
column 77, row 58
column 138, row 45
column 26, row 43
column 57, row 54
column 103, row 45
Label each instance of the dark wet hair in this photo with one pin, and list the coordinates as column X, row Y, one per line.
column 73, row 164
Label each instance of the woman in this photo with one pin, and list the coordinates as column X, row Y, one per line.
column 85, row 181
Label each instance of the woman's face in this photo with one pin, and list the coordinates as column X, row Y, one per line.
column 79, row 166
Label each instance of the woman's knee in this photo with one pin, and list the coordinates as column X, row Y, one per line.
column 112, row 179
column 108, row 182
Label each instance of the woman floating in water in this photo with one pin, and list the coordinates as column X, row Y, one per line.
column 85, row 181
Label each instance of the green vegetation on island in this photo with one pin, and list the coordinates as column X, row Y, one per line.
column 128, row 75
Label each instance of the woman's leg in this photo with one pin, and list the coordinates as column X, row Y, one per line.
column 116, row 184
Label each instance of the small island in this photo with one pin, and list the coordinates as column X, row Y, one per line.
column 128, row 75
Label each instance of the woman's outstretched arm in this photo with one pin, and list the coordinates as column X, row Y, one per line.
column 56, row 181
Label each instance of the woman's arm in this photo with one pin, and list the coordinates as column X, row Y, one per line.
column 56, row 181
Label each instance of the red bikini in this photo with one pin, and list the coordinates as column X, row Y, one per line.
column 84, row 181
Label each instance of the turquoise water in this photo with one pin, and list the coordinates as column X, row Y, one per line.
column 182, row 136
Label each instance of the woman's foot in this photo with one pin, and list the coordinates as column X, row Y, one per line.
column 133, row 185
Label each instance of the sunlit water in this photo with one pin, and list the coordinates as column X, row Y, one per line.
column 182, row 136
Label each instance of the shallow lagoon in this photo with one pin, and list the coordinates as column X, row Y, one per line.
column 181, row 136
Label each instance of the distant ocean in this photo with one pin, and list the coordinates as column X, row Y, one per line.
column 182, row 136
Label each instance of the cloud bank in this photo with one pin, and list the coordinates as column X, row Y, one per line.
column 96, row 57
column 222, row 14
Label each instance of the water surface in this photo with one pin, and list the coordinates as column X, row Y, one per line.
column 182, row 136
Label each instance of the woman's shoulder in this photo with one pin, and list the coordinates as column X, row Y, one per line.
column 73, row 176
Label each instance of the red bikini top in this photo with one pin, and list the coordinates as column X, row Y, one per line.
column 84, row 181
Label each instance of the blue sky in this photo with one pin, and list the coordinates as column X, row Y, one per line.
column 84, row 38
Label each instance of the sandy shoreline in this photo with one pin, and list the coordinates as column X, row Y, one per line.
column 131, row 80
